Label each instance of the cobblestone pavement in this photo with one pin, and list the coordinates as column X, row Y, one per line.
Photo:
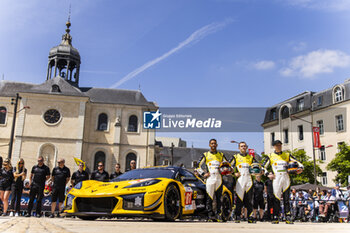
column 30, row 225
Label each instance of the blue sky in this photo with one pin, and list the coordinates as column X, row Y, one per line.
column 242, row 53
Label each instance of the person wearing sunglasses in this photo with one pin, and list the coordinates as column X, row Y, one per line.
column 132, row 165
column 79, row 176
column 6, row 179
column 20, row 174
column 38, row 176
column 60, row 178
column 100, row 174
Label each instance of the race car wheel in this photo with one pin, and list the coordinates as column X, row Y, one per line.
column 91, row 218
column 226, row 207
column 172, row 206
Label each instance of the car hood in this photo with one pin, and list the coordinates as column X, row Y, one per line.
column 96, row 188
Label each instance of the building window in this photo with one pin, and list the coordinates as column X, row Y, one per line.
column 102, row 122
column 272, row 138
column 320, row 125
column 319, row 100
column 322, row 155
column 338, row 145
column 300, row 104
column 301, row 132
column 324, row 179
column 3, row 113
column 338, row 94
column 273, row 115
column 129, row 157
column 285, row 112
column 285, row 133
column 132, row 127
column 339, row 123
column 55, row 88
column 100, row 156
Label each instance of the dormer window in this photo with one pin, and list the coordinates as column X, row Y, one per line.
column 273, row 115
column 338, row 94
column 300, row 104
column 285, row 112
column 55, row 88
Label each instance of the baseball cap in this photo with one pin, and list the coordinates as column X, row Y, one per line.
column 276, row 142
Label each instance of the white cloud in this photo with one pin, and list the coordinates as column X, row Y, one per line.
column 297, row 46
column 193, row 38
column 264, row 65
column 329, row 5
column 316, row 62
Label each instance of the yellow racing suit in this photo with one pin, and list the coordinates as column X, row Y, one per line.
column 281, row 183
column 244, row 184
column 212, row 163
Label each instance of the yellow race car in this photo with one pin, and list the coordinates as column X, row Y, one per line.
column 167, row 193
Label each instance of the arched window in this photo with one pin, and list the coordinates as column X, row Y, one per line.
column 285, row 112
column 102, row 122
column 100, row 156
column 129, row 157
column 3, row 112
column 338, row 94
column 132, row 126
column 47, row 151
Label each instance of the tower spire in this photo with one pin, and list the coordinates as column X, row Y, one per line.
column 67, row 38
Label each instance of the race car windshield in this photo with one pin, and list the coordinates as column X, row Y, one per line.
column 146, row 173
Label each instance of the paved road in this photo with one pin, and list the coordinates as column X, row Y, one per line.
column 58, row 225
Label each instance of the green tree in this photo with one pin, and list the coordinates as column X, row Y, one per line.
column 308, row 174
column 341, row 164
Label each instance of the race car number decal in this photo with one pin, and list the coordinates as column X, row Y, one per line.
column 188, row 198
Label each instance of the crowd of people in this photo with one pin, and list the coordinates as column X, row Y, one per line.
column 42, row 182
column 255, row 200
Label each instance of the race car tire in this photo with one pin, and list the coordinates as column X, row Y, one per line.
column 226, row 207
column 90, row 218
column 172, row 206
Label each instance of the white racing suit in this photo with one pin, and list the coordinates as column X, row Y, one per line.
column 214, row 181
column 281, row 183
column 244, row 184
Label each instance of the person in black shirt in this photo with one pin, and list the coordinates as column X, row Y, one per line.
column 271, row 199
column 6, row 179
column 79, row 175
column 116, row 173
column 100, row 174
column 258, row 197
column 39, row 174
column 19, row 174
column 60, row 177
column 132, row 165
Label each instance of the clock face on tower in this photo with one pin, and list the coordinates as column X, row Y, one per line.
column 52, row 116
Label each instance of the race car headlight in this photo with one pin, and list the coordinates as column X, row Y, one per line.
column 78, row 185
column 144, row 183
column 69, row 200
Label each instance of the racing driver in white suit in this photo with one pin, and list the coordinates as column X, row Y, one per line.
column 212, row 160
column 278, row 160
column 241, row 162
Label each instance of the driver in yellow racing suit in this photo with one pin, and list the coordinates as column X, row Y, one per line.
column 212, row 160
column 278, row 160
column 241, row 162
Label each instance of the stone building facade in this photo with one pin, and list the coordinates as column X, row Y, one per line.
column 60, row 119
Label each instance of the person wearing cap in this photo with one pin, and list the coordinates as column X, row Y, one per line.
column 241, row 162
column 212, row 160
column 278, row 160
